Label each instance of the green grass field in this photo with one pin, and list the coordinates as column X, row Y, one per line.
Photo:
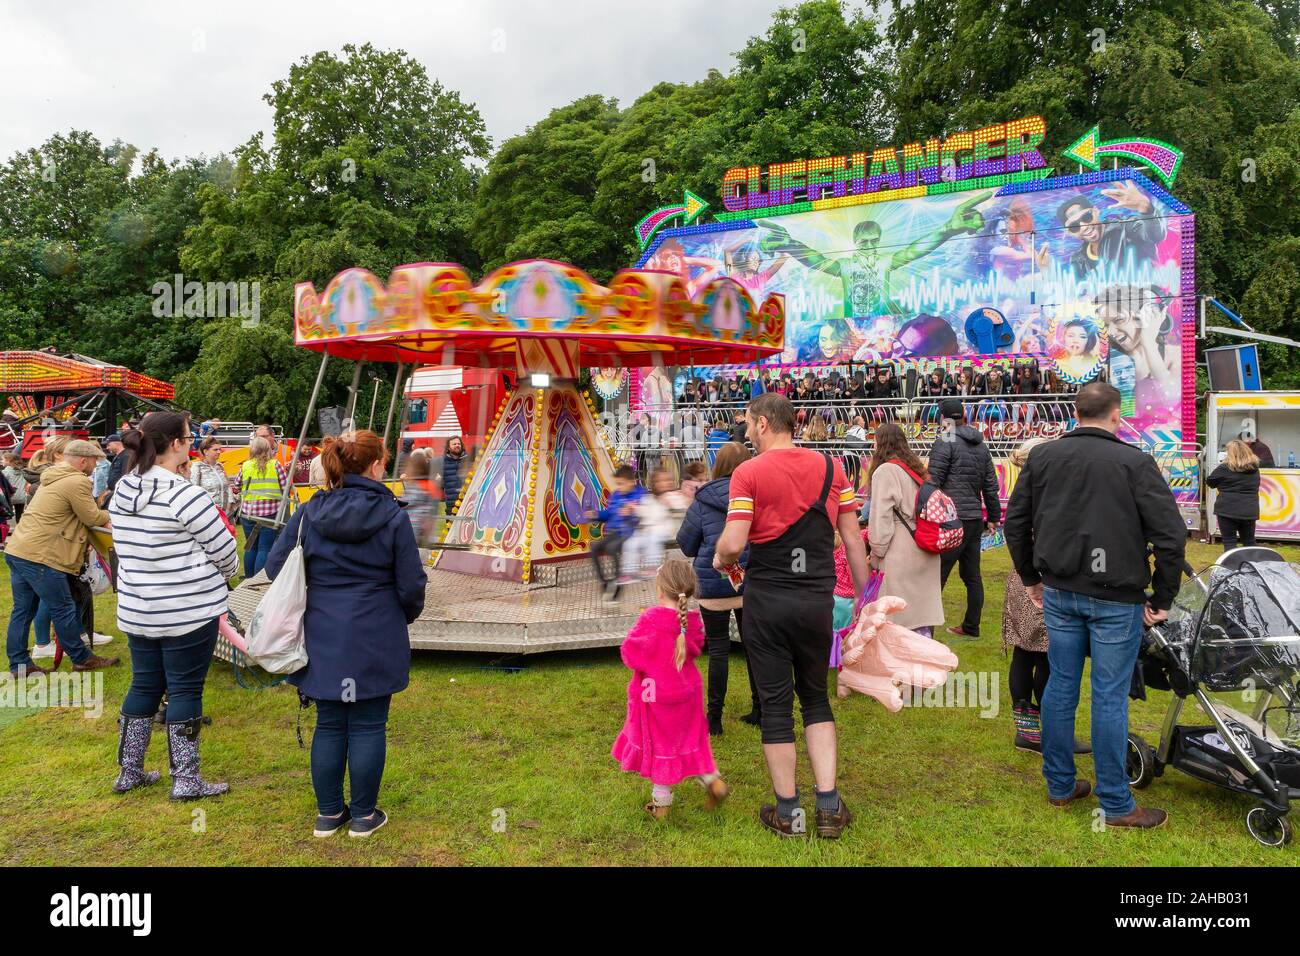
column 491, row 767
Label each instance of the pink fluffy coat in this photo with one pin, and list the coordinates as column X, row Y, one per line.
column 879, row 656
column 665, row 737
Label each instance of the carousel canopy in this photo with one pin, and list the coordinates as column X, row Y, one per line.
column 535, row 316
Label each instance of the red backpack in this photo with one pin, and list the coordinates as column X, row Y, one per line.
column 938, row 529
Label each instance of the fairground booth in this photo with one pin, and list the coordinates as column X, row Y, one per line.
column 1270, row 423
column 957, row 266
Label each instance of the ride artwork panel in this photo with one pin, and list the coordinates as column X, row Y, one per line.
column 1083, row 273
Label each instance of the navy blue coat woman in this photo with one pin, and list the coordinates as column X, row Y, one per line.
column 698, row 537
column 699, row 534
column 365, row 584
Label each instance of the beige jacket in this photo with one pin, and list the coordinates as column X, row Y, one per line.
column 54, row 531
column 910, row 573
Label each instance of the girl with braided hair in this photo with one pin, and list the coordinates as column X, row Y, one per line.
column 665, row 736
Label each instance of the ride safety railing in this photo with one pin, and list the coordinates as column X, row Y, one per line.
column 673, row 436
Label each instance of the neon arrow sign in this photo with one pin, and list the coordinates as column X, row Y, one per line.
column 689, row 210
column 1089, row 149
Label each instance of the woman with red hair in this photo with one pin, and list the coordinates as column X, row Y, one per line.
column 365, row 584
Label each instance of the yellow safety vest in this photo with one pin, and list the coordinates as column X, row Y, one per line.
column 259, row 486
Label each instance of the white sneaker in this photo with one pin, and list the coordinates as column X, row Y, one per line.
column 43, row 650
column 103, row 639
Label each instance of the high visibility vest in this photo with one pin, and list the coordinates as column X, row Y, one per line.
column 259, row 486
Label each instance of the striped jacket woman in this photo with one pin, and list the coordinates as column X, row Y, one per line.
column 174, row 554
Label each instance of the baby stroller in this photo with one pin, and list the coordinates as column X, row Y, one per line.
column 1232, row 629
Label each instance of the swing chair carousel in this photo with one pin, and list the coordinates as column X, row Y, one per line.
column 510, row 574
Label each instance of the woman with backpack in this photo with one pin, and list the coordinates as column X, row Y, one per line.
column 910, row 572
column 365, row 585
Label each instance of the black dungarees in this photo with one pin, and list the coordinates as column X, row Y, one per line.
column 789, row 609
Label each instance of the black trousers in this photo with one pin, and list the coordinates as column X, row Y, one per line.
column 717, row 635
column 967, row 559
column 788, row 640
column 612, row 545
column 1236, row 532
column 1028, row 675
column 85, row 601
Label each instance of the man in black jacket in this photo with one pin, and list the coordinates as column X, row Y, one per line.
column 1078, row 524
column 116, row 467
column 962, row 468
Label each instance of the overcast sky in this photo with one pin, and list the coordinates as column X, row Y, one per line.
column 188, row 77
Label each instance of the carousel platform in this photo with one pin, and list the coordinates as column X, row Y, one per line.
column 560, row 610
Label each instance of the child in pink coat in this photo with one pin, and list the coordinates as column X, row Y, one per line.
column 665, row 737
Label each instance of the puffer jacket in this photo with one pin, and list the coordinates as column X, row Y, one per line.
column 612, row 514
column 962, row 468
column 453, row 476
column 699, row 533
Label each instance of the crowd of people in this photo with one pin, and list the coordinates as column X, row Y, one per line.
column 838, row 409
column 1078, row 496
column 865, row 389
column 879, row 381
column 776, row 538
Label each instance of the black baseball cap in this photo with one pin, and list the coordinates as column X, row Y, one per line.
column 951, row 408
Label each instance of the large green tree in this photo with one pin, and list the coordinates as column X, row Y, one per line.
column 372, row 164
column 85, row 232
column 536, row 200
column 574, row 185
column 1218, row 78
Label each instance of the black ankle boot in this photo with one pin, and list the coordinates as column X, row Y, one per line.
column 715, row 725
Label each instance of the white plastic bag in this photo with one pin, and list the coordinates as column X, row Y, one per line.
column 96, row 574
column 275, row 636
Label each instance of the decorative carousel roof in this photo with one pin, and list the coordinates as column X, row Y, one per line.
column 535, row 315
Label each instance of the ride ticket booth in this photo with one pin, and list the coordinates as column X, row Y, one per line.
column 1272, row 418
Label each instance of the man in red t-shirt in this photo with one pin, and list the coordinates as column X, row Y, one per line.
column 785, row 505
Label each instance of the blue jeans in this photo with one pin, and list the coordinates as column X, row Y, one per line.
column 81, row 597
column 1078, row 625
column 351, row 735
column 177, row 665
column 35, row 585
column 42, row 626
column 255, row 557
